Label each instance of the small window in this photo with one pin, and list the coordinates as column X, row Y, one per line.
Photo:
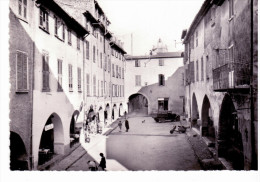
column 69, row 36
column 137, row 80
column 137, row 63
column 21, row 72
column 161, row 62
column 44, row 19
column 161, row 80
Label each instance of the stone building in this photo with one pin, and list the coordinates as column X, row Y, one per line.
column 221, row 79
column 155, row 82
column 60, row 67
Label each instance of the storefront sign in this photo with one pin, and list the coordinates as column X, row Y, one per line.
column 48, row 127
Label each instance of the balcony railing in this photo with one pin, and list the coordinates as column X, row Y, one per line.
column 231, row 76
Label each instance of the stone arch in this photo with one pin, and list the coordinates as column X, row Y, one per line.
column 195, row 112
column 74, row 132
column 52, row 139
column 206, row 119
column 18, row 155
column 230, row 145
column 138, row 103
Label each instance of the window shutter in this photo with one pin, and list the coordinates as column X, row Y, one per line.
column 163, row 79
column 25, row 72
column 19, row 71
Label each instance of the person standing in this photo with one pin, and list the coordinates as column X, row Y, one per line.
column 126, row 125
column 120, row 126
column 102, row 163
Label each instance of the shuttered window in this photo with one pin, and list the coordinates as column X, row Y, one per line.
column 59, row 75
column 70, row 78
column 161, row 80
column 94, row 54
column 197, row 70
column 113, row 70
column 88, row 85
column 79, row 80
column 22, row 8
column 191, row 72
column 105, row 66
column 21, row 72
column 44, row 19
column 87, row 49
column 109, row 65
column 101, row 60
column 123, row 76
column 69, row 36
column 78, row 42
column 45, row 73
column 116, row 71
column 94, row 85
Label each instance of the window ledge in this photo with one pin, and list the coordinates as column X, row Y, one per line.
column 22, row 91
column 46, row 90
column 43, row 29
column 59, row 38
column 21, row 18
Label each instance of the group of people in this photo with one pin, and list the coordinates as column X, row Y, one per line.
column 93, row 165
column 126, row 125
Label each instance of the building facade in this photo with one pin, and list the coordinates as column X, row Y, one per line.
column 155, row 82
column 220, row 64
column 60, row 67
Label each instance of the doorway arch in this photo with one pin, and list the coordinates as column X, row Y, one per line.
column 208, row 129
column 195, row 113
column 138, row 104
column 52, row 139
column 18, row 154
column 230, row 145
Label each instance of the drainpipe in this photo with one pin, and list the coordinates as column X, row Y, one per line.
column 254, row 161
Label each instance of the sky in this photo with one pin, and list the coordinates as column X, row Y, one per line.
column 149, row 20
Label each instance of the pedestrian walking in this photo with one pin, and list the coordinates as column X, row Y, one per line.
column 126, row 125
column 102, row 163
column 120, row 126
column 92, row 165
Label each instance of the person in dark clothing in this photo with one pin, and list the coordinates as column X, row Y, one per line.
column 126, row 125
column 102, row 163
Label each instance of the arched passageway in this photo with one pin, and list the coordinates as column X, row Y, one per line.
column 195, row 113
column 18, row 154
column 52, row 139
column 208, row 129
column 230, row 145
column 74, row 130
column 138, row 104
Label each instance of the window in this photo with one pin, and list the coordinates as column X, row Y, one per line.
column 101, row 60
column 69, row 37
column 161, row 62
column 45, row 72
column 192, row 42
column 123, row 90
column 137, row 63
column 137, row 80
column 207, row 67
column 197, row 41
column 22, row 8
column 60, row 75
column 94, row 85
column 79, row 80
column 112, row 52
column 197, row 70
column 88, row 85
column 102, row 86
column 161, row 80
column 94, row 54
column 119, row 72
column 44, row 19
column 191, row 71
column 113, row 70
column 116, row 71
column 163, row 104
column 21, row 72
column 123, row 73
column 109, row 64
column 87, row 49
column 231, row 9
column 59, row 29
column 70, row 78
column 105, row 67
column 78, row 42
column 202, row 69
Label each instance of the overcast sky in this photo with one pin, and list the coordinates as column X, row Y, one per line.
column 149, row 20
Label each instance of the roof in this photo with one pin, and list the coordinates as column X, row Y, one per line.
column 58, row 8
column 113, row 44
column 157, row 56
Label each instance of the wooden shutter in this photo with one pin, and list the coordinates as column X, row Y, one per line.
column 191, row 72
column 87, row 49
column 21, row 72
column 45, row 72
